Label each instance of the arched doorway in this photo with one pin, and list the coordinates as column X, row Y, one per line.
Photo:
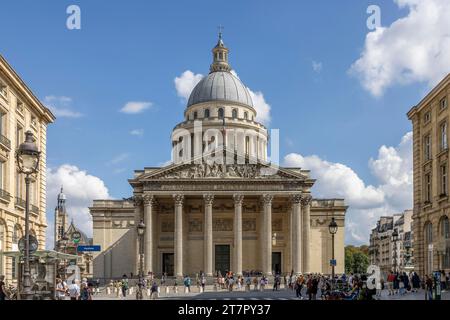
column 428, row 233
column 444, row 228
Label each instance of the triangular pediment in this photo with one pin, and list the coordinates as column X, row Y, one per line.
column 241, row 168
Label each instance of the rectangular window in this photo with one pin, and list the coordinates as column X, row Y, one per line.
column 427, row 147
column 14, row 268
column 443, row 103
column 444, row 144
column 2, row 123
column 444, row 179
column 3, row 90
column 19, row 136
column 427, row 117
column 2, row 164
column 428, row 187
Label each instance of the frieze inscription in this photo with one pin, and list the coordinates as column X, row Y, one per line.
column 222, row 224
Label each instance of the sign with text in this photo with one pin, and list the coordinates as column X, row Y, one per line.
column 89, row 248
column 333, row 263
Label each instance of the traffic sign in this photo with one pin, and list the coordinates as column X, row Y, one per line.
column 89, row 248
column 333, row 263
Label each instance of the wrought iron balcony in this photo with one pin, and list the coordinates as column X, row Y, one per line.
column 20, row 203
column 4, row 195
column 34, row 209
column 5, row 142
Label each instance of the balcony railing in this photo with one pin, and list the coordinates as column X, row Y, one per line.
column 4, row 195
column 20, row 203
column 34, row 209
column 4, row 141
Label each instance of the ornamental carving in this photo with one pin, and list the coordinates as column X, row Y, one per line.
column 167, row 226
column 238, row 199
column 208, row 198
column 267, row 199
column 195, row 225
column 222, row 224
column 306, row 200
column 178, row 198
column 296, row 198
column 149, row 200
column 216, row 170
column 249, row 224
column 137, row 201
column 277, row 225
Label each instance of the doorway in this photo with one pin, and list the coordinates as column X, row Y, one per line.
column 168, row 264
column 276, row 263
column 222, row 258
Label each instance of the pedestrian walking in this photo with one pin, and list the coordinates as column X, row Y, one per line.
column 187, row 284
column 124, row 286
column 61, row 289
column 2, row 288
column 74, row 291
column 428, row 288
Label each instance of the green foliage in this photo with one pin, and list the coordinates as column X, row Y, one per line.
column 356, row 259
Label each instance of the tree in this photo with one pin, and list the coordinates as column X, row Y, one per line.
column 356, row 259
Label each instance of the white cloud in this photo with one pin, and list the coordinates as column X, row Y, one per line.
column 414, row 48
column 185, row 83
column 317, row 66
column 134, row 107
column 393, row 193
column 61, row 106
column 137, row 132
column 81, row 189
column 119, row 158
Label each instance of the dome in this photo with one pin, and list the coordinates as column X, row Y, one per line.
column 220, row 86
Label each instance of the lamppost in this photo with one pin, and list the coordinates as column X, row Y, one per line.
column 140, row 232
column 332, row 227
column 394, row 239
column 27, row 158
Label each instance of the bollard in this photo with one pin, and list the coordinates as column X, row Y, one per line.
column 149, row 293
column 215, row 287
column 167, row 290
column 175, row 289
column 108, row 291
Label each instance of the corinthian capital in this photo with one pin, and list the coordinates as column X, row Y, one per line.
column 267, row 198
column 137, row 199
column 208, row 198
column 306, row 200
column 238, row 199
column 149, row 200
column 178, row 198
column 296, row 198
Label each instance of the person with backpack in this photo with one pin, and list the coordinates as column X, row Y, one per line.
column 154, row 291
column 187, row 283
column 124, row 285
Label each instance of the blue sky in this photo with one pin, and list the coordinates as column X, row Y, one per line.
column 132, row 51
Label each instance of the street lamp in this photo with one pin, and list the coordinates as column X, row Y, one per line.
column 332, row 228
column 394, row 239
column 27, row 158
column 140, row 232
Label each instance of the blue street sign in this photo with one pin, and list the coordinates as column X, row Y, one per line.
column 89, row 248
column 333, row 263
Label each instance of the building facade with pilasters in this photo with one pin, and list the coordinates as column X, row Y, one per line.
column 203, row 215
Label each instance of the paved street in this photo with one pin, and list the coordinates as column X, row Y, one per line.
column 252, row 295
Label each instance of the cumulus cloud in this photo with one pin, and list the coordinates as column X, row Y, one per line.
column 392, row 170
column 60, row 106
column 80, row 188
column 414, row 48
column 134, row 107
column 185, row 83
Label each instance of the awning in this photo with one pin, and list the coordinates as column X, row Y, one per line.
column 44, row 254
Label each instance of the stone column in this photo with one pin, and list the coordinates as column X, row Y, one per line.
column 267, row 202
column 149, row 201
column 238, row 199
column 306, row 206
column 208, row 235
column 297, row 232
column 178, row 237
column 138, row 217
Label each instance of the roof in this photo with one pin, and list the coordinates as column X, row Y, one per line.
column 220, row 86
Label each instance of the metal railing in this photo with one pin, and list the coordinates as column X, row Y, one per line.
column 20, row 202
column 4, row 195
column 5, row 141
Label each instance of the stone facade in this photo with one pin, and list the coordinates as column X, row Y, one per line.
column 386, row 253
column 20, row 111
column 430, row 120
column 220, row 205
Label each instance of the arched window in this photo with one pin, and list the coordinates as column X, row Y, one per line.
column 195, row 115
column 245, row 115
column 206, row 113
column 220, row 113
column 234, row 113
